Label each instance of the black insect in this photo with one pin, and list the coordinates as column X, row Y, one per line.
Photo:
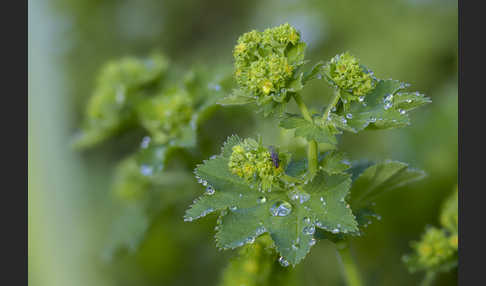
column 274, row 156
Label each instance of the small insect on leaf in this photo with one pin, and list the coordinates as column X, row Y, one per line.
column 274, row 155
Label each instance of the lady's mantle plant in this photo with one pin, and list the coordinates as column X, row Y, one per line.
column 259, row 190
column 437, row 250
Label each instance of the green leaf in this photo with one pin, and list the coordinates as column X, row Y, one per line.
column 289, row 215
column 238, row 97
column 308, row 130
column 314, row 72
column 382, row 177
column 334, row 162
column 385, row 107
column 328, row 203
column 296, row 168
column 127, row 231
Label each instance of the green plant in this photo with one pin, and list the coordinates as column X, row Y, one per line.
column 437, row 249
column 161, row 107
column 267, row 199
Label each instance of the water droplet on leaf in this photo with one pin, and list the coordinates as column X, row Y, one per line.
column 283, row 261
column 310, row 230
column 281, row 208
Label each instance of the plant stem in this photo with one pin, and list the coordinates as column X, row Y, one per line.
column 334, row 101
column 303, row 108
column 350, row 271
column 312, row 150
column 428, row 279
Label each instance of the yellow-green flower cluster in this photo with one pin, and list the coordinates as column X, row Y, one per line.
column 165, row 115
column 435, row 248
column 345, row 72
column 262, row 63
column 253, row 162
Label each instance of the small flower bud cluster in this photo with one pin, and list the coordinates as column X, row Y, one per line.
column 119, row 81
column 253, row 162
column 435, row 248
column 345, row 73
column 262, row 65
column 165, row 115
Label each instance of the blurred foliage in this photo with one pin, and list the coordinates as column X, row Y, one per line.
column 437, row 249
column 415, row 41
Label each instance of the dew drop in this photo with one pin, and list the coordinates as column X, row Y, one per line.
column 388, row 105
column 310, row 230
column 349, row 116
column 209, row 190
column 233, row 208
column 262, row 200
column 145, row 142
column 281, row 208
column 312, row 241
column 304, row 197
column 283, row 261
column 402, row 111
column 146, row 170
column 335, row 231
column 260, row 230
column 323, row 201
column 361, row 98
column 344, row 121
column 307, row 220
column 373, row 119
column 409, row 101
column 250, row 240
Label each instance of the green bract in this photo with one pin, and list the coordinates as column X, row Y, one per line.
column 266, row 65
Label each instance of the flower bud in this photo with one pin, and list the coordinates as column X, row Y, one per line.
column 345, row 73
column 253, row 163
column 165, row 115
column 262, row 63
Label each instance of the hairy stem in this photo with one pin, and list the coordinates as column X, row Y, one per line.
column 349, row 269
column 303, row 108
column 312, row 150
column 334, row 101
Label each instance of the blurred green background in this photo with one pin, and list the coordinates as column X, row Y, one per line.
column 71, row 208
